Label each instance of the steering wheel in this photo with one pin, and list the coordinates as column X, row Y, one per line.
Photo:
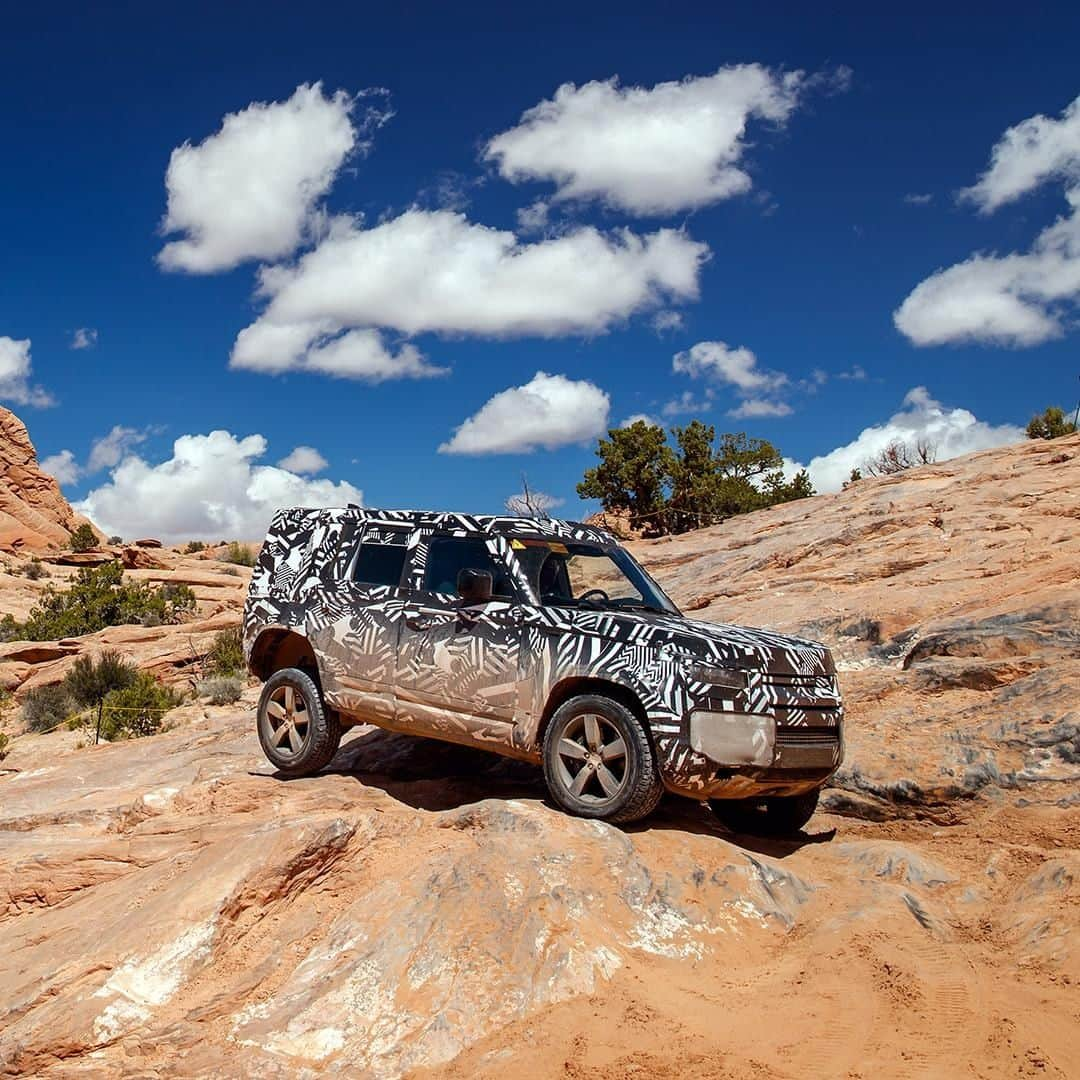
column 603, row 596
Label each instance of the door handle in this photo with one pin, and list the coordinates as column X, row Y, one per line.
column 418, row 622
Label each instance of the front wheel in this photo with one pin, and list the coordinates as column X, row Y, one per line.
column 598, row 762
column 778, row 815
column 298, row 734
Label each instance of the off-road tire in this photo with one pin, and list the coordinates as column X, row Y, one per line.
column 322, row 736
column 640, row 788
column 777, row 815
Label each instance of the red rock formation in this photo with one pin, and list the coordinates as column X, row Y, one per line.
column 34, row 515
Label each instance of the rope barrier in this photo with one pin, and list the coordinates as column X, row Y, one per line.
column 88, row 712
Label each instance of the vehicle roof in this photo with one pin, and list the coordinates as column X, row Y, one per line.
column 445, row 520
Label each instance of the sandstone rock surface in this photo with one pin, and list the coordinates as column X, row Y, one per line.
column 169, row 907
column 34, row 515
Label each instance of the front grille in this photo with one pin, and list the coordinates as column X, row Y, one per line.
column 807, row 693
column 807, row 747
column 807, row 736
column 778, row 679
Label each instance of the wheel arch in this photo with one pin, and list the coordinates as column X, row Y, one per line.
column 577, row 685
column 280, row 647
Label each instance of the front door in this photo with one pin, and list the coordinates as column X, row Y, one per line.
column 460, row 669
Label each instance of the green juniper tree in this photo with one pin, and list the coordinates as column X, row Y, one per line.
column 695, row 483
column 632, row 477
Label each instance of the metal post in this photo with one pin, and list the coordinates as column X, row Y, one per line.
column 97, row 734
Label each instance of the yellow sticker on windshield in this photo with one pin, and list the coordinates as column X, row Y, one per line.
column 517, row 545
column 559, row 549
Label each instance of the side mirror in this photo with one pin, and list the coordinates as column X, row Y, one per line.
column 474, row 586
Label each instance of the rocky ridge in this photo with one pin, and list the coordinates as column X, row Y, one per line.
column 34, row 515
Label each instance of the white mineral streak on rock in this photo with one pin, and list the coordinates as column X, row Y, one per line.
column 142, row 983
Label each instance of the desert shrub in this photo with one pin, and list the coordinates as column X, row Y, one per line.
column 116, row 539
column 226, row 654
column 854, row 477
column 238, row 554
column 99, row 597
column 35, row 570
column 89, row 680
column 1050, row 424
column 178, row 600
column 899, row 456
column 46, row 707
column 83, row 538
column 5, row 701
column 193, row 547
column 221, row 689
column 137, row 709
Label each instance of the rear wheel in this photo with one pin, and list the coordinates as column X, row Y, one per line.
column 298, row 734
column 598, row 762
column 777, row 815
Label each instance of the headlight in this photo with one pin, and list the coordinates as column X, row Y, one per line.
column 717, row 676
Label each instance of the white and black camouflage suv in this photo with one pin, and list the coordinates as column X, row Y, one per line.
column 541, row 640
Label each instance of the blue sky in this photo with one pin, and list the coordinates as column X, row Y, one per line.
column 805, row 268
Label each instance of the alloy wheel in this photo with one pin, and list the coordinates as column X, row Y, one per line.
column 592, row 761
column 287, row 714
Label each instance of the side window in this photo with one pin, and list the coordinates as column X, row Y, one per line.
column 380, row 560
column 448, row 555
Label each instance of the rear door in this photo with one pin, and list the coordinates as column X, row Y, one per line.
column 357, row 647
column 461, row 672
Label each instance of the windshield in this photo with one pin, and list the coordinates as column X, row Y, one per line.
column 589, row 576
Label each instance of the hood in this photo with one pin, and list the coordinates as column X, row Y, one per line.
column 781, row 654
column 713, row 643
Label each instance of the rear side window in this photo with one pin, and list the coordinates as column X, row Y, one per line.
column 380, row 563
column 448, row 555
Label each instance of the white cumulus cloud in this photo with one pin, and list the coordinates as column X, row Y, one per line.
column 250, row 190
column 758, row 407
column 951, row 432
column 356, row 354
column 84, row 338
column 686, row 403
column 15, row 372
column 63, row 467
column 105, row 452
column 671, row 147
column 1018, row 299
column 303, row 459
column 644, row 418
column 735, row 367
column 111, row 448
column 720, row 361
column 435, row 271
column 549, row 411
column 1026, row 156
column 211, row 488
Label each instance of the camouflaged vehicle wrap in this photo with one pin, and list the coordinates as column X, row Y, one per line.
column 424, row 663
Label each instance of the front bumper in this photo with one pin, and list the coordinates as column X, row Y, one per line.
column 785, row 738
